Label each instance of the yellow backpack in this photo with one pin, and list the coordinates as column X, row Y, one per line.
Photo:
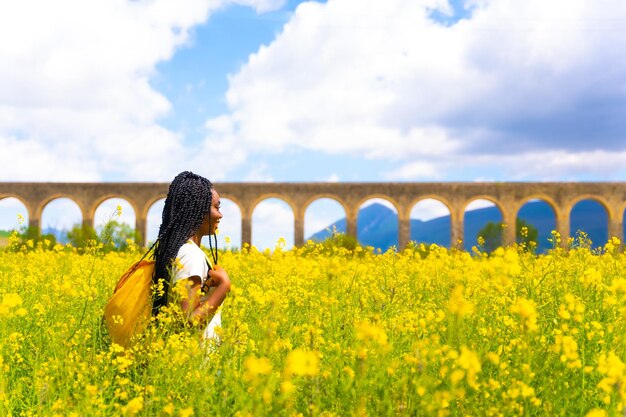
column 128, row 311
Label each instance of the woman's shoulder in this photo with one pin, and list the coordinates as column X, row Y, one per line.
column 190, row 249
column 190, row 261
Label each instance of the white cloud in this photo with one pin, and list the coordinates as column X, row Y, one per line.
column 261, row 6
column 259, row 172
column 418, row 169
column 75, row 96
column 520, row 90
column 517, row 80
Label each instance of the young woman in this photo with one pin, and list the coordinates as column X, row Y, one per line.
column 192, row 210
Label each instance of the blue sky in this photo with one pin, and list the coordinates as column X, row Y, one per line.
column 345, row 90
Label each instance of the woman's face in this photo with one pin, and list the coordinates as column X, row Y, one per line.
column 209, row 228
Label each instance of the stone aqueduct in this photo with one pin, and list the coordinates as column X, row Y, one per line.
column 508, row 197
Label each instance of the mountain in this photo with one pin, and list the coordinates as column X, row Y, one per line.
column 377, row 225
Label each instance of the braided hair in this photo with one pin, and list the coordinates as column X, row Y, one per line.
column 188, row 202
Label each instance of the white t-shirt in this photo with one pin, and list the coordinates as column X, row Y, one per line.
column 192, row 261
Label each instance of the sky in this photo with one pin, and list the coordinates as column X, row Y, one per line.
column 343, row 90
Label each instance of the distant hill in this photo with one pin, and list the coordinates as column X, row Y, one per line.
column 377, row 225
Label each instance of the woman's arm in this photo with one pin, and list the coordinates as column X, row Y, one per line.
column 199, row 309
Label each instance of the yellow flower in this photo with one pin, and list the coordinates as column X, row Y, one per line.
column 457, row 304
column 134, row 406
column 468, row 360
column 303, row 363
column 11, row 300
column 369, row 332
column 255, row 367
column 527, row 312
column 287, row 387
column 169, row 409
column 597, row 412
column 186, row 412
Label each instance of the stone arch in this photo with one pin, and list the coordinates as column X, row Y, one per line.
column 21, row 199
column 543, row 223
column 311, row 201
column 29, row 209
column 373, row 196
column 416, row 235
column 126, row 218
column 145, row 209
column 9, row 219
column 543, row 197
column 44, row 202
column 265, row 196
column 236, row 200
column 442, row 199
column 60, row 229
column 472, row 227
column 392, row 240
column 598, row 233
column 268, row 238
column 487, row 197
column 329, row 196
column 598, row 199
column 105, row 197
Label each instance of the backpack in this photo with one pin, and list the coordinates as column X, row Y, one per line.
column 128, row 311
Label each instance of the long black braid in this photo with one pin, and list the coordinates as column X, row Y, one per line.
column 188, row 202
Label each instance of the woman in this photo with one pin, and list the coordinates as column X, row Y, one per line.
column 192, row 210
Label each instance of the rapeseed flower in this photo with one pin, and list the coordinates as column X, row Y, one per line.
column 256, row 367
column 527, row 311
column 302, row 363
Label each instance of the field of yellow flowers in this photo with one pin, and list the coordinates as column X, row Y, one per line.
column 320, row 331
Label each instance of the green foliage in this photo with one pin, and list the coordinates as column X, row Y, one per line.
column 113, row 236
column 118, row 235
column 340, row 240
column 336, row 243
column 422, row 249
column 491, row 237
column 81, row 236
column 526, row 235
column 29, row 237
